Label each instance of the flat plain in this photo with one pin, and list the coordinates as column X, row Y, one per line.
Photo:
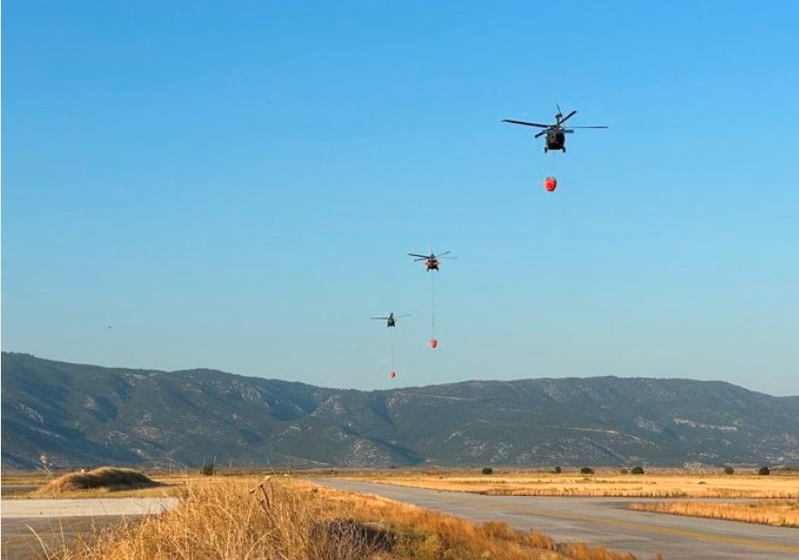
column 240, row 518
column 623, row 512
column 606, row 521
column 655, row 483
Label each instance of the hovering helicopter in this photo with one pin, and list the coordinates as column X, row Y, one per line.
column 391, row 320
column 556, row 133
column 432, row 259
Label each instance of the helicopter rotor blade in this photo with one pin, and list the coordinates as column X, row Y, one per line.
column 444, row 253
column 450, row 258
column 538, row 125
column 541, row 133
column 399, row 316
column 379, row 318
column 567, row 117
column 588, row 126
column 420, row 256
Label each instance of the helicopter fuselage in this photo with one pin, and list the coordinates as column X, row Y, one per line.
column 555, row 140
column 432, row 264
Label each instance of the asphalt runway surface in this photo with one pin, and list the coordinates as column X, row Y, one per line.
column 605, row 521
column 29, row 526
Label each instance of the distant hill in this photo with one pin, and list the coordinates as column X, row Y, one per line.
column 82, row 415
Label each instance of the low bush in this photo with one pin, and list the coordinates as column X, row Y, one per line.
column 729, row 470
column 763, row 471
column 112, row 478
column 558, row 470
column 586, row 470
column 637, row 470
column 488, row 470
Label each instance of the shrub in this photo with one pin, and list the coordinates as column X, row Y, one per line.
column 558, row 470
column 729, row 470
column 586, row 470
column 208, row 469
column 763, row 471
column 488, row 470
column 103, row 477
column 624, row 471
column 637, row 470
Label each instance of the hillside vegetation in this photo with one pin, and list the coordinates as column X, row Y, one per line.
column 81, row 415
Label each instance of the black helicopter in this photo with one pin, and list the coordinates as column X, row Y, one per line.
column 432, row 260
column 391, row 320
column 556, row 133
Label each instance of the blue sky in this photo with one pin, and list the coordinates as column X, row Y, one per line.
column 236, row 185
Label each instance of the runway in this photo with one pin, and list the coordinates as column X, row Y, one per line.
column 605, row 521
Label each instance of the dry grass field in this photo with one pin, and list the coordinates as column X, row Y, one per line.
column 43, row 485
column 232, row 520
column 656, row 483
column 40, row 478
column 779, row 513
column 605, row 483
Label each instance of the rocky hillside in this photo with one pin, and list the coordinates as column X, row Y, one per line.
column 88, row 415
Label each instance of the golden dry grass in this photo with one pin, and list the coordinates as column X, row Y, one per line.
column 172, row 484
column 667, row 484
column 300, row 521
column 782, row 513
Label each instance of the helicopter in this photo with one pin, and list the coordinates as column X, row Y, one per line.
column 432, row 260
column 391, row 320
column 555, row 133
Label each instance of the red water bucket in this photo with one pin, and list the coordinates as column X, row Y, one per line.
column 433, row 343
column 393, row 374
column 550, row 184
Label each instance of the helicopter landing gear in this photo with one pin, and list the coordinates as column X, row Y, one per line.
column 564, row 149
column 546, row 149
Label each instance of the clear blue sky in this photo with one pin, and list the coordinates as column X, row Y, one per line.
column 235, row 185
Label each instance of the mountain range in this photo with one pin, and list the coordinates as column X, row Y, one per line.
column 84, row 415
